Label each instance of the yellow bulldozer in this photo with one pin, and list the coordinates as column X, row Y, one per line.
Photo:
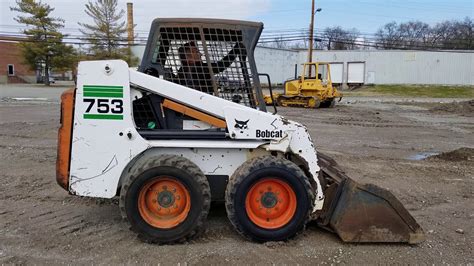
column 313, row 89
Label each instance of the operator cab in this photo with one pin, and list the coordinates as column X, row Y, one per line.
column 210, row 55
column 225, row 66
column 322, row 70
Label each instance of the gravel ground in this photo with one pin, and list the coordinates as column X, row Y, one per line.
column 374, row 141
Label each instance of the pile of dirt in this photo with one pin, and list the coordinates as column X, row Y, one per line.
column 461, row 154
column 463, row 108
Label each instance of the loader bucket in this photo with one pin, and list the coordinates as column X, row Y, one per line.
column 365, row 213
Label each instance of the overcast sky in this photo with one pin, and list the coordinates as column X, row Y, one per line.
column 365, row 15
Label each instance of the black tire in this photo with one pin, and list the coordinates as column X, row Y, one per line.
column 177, row 169
column 248, row 175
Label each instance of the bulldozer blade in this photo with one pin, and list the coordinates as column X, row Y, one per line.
column 365, row 213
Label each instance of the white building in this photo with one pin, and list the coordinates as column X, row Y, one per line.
column 370, row 66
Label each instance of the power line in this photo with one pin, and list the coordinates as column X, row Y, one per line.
column 426, row 49
column 365, row 39
column 271, row 36
column 398, row 44
column 366, row 42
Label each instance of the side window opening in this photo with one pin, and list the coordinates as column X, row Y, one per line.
column 150, row 114
column 323, row 73
column 310, row 72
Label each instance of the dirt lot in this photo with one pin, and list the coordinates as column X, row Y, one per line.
column 375, row 141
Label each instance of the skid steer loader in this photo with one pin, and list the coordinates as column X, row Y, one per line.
column 189, row 127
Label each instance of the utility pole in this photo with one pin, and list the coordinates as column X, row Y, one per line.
column 311, row 34
column 311, row 30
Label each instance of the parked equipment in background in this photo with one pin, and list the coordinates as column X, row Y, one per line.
column 313, row 89
column 190, row 126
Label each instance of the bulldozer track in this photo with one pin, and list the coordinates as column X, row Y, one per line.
column 303, row 101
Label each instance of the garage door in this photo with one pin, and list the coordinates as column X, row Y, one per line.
column 336, row 72
column 355, row 72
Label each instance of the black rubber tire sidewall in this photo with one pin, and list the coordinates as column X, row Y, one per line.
column 293, row 226
column 157, row 234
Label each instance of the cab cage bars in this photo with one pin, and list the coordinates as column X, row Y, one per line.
column 225, row 66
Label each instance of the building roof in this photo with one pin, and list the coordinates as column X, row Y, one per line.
column 9, row 38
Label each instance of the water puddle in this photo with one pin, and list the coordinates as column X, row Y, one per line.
column 422, row 155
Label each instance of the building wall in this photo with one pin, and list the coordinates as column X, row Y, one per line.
column 10, row 53
column 381, row 66
column 278, row 63
column 406, row 67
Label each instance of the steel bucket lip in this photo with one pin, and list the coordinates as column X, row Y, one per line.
column 344, row 188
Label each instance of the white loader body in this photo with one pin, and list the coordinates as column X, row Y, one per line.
column 105, row 140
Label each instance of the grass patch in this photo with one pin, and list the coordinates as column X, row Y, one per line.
column 433, row 91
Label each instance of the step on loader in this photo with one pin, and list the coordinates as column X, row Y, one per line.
column 190, row 126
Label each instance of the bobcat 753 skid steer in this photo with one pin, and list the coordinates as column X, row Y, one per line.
column 189, row 127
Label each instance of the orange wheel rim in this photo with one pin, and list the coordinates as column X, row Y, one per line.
column 164, row 202
column 270, row 203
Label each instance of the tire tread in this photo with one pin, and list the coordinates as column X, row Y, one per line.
column 255, row 164
column 176, row 162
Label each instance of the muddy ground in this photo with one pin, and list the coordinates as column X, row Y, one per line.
column 375, row 141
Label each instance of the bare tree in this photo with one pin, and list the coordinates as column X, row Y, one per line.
column 305, row 41
column 352, row 36
column 415, row 34
column 456, row 34
column 419, row 35
column 388, row 37
column 412, row 34
column 336, row 38
column 280, row 42
column 464, row 33
column 442, row 34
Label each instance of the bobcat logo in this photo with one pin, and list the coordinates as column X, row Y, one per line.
column 241, row 124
